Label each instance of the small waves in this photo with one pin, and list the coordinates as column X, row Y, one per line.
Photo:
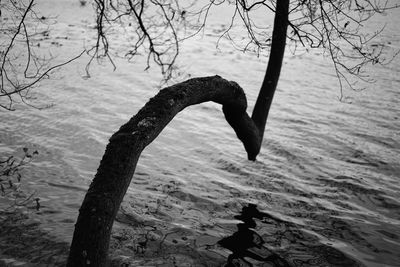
column 324, row 190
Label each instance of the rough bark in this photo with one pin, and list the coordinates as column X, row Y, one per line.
column 268, row 87
column 102, row 201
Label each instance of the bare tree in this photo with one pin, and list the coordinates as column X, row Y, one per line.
column 22, row 66
column 334, row 26
column 156, row 28
column 337, row 27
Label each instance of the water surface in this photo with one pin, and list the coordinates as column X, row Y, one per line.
column 328, row 175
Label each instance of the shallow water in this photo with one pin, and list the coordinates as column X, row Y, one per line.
column 327, row 180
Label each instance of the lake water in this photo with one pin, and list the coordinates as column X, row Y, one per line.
column 326, row 183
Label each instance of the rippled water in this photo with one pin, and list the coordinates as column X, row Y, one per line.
column 323, row 192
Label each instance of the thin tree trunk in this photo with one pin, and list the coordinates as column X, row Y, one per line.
column 102, row 201
column 268, row 87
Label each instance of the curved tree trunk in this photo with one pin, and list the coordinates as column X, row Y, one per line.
column 268, row 87
column 102, row 201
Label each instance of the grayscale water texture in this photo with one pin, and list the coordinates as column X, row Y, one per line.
column 328, row 174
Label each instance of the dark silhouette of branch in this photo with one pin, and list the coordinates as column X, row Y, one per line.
column 10, row 178
column 337, row 28
column 21, row 69
column 154, row 31
column 270, row 82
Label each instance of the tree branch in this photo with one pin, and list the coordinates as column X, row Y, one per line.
column 103, row 199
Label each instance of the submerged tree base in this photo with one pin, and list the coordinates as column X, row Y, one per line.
column 96, row 216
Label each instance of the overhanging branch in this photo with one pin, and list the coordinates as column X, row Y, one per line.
column 96, row 216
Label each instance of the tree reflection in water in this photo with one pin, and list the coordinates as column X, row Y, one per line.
column 246, row 243
column 297, row 245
